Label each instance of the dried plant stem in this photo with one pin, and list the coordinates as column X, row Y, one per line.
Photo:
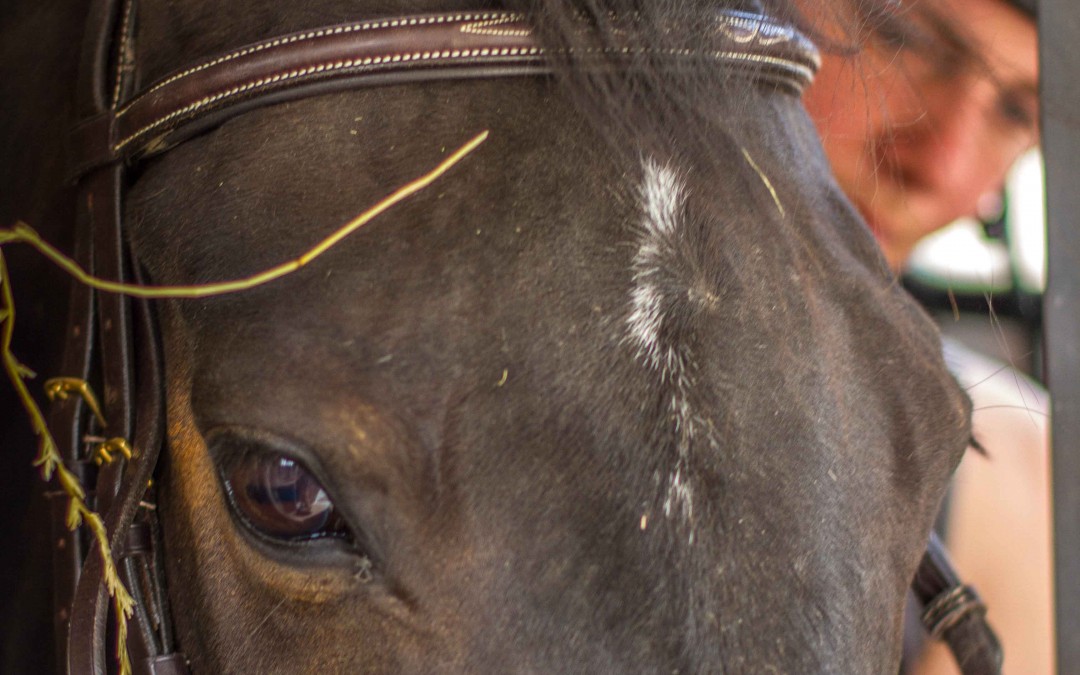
column 48, row 458
column 23, row 233
column 50, row 462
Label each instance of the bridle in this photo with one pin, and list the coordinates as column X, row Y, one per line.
column 113, row 338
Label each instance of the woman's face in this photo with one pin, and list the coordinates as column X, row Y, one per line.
column 919, row 126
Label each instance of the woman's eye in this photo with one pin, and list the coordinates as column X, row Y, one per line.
column 1016, row 113
column 279, row 498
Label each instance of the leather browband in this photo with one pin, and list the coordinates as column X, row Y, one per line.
column 426, row 47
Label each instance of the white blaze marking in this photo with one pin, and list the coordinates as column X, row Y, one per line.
column 662, row 194
column 679, row 495
column 663, row 199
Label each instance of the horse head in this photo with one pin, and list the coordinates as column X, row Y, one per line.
column 629, row 389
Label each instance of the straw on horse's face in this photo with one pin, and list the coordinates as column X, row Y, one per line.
column 576, row 415
column 658, row 408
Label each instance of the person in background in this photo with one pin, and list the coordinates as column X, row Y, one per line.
column 919, row 127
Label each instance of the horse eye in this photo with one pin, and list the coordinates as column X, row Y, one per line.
column 279, row 498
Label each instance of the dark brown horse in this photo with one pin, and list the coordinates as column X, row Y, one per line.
column 630, row 389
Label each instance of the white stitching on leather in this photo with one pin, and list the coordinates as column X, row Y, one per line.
column 370, row 61
column 798, row 69
column 338, row 30
column 125, row 45
column 487, row 28
column 736, row 27
column 752, row 28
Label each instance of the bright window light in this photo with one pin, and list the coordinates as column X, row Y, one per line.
column 962, row 258
column 1027, row 222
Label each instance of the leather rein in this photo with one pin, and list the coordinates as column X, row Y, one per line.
column 116, row 337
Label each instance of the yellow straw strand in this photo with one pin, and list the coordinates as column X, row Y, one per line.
column 765, row 180
column 59, row 388
column 23, row 233
column 49, row 461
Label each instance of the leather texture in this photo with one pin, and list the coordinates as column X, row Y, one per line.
column 390, row 51
column 66, row 421
column 953, row 612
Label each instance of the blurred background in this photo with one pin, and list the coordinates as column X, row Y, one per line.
column 983, row 280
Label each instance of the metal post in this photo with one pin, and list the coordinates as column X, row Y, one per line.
column 1059, row 31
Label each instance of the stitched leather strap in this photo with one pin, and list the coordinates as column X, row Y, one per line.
column 98, row 197
column 120, row 485
column 89, row 628
column 66, row 421
column 393, row 51
column 953, row 612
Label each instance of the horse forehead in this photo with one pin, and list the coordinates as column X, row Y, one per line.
column 651, row 289
column 646, row 396
column 715, row 353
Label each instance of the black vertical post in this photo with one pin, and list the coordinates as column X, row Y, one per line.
column 1059, row 33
